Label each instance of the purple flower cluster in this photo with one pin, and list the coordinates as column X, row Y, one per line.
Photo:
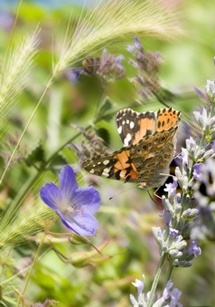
column 190, row 203
column 147, row 64
column 107, row 67
column 204, row 195
column 110, row 68
column 170, row 295
column 188, row 206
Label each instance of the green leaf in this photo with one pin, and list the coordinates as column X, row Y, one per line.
column 106, row 110
column 104, row 134
column 58, row 160
column 36, row 157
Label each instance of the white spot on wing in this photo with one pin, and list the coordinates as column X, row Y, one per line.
column 131, row 125
column 106, row 172
column 119, row 129
column 127, row 139
column 105, row 162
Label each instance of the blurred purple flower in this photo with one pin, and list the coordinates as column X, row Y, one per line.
column 173, row 233
column 201, row 94
column 147, row 65
column 166, row 216
column 184, row 157
column 197, row 170
column 110, row 67
column 132, row 48
column 194, row 249
column 172, row 295
column 139, row 284
column 6, row 20
column 107, row 67
column 137, row 43
column 141, row 299
column 74, row 74
column 75, row 206
column 171, row 188
column 204, row 188
column 210, row 89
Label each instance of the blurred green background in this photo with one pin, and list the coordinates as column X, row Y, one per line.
column 127, row 214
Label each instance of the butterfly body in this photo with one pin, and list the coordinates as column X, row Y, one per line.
column 149, row 140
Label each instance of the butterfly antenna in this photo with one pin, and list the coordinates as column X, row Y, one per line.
column 169, row 175
column 123, row 191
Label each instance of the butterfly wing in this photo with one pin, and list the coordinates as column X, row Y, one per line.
column 167, row 119
column 117, row 165
column 149, row 140
column 133, row 126
column 152, row 157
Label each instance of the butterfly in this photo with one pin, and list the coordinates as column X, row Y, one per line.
column 149, row 140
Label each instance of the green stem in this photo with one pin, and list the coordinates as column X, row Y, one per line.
column 32, row 267
column 18, row 199
column 156, row 280
column 44, row 167
column 26, row 127
column 169, row 273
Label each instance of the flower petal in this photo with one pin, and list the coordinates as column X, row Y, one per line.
column 50, row 194
column 87, row 198
column 68, row 183
column 82, row 224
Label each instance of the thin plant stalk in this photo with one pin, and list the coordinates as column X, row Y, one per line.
column 31, row 269
column 156, row 280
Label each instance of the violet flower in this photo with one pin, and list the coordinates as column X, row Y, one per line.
column 194, row 249
column 75, row 206
column 171, row 295
column 74, row 74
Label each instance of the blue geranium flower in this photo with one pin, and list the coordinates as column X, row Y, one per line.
column 75, row 206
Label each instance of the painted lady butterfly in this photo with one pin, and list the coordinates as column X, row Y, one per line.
column 149, row 144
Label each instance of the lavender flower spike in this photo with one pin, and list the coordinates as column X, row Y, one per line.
column 75, row 206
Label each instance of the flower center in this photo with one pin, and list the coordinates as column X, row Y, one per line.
column 68, row 207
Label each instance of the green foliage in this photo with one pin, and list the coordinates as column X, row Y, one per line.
column 105, row 110
column 38, row 107
column 36, row 156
